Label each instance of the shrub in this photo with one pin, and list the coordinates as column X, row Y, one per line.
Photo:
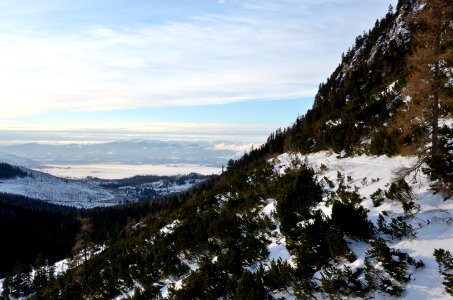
column 401, row 191
column 445, row 261
column 396, row 229
column 377, row 197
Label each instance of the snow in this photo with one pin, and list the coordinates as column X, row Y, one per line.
column 17, row 160
column 87, row 193
column 433, row 223
column 59, row 191
column 129, row 293
column 332, row 123
column 222, row 199
column 446, row 122
column 277, row 247
column 169, row 228
column 64, row 265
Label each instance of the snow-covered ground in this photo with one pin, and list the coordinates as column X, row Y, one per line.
column 433, row 223
column 56, row 190
column 64, row 265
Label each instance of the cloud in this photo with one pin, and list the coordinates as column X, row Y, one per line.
column 258, row 51
column 231, row 147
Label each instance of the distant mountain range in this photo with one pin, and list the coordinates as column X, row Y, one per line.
column 127, row 152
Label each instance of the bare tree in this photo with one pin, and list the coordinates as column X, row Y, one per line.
column 83, row 243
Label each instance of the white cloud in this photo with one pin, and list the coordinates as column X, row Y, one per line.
column 237, row 148
column 218, row 58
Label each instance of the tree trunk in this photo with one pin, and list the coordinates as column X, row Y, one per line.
column 435, row 114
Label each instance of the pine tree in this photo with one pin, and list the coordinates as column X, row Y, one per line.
column 429, row 84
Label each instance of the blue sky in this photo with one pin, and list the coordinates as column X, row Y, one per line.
column 122, row 64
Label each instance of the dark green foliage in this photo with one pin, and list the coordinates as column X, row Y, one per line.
column 383, row 142
column 280, row 276
column 7, row 171
column 401, row 191
column 343, row 282
column 336, row 243
column 441, row 165
column 206, row 227
column 348, row 216
column 305, row 230
column 352, row 220
column 299, row 194
column 377, row 197
column 329, row 182
column 32, row 228
column 396, row 229
column 387, row 269
column 249, row 286
column 444, row 259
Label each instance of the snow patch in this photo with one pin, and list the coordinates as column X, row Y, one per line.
column 169, row 228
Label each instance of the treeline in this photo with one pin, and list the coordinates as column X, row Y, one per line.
column 111, row 223
column 142, row 179
column 35, row 228
column 31, row 228
column 357, row 100
column 7, row 171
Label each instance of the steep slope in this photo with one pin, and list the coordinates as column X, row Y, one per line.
column 304, row 216
column 352, row 108
column 237, row 238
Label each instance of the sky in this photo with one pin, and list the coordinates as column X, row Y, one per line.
column 173, row 67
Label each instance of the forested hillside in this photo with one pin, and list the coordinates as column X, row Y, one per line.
column 348, row 202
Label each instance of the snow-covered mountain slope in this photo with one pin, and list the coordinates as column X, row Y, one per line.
column 18, row 160
column 93, row 192
column 56, row 190
column 224, row 235
column 432, row 224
